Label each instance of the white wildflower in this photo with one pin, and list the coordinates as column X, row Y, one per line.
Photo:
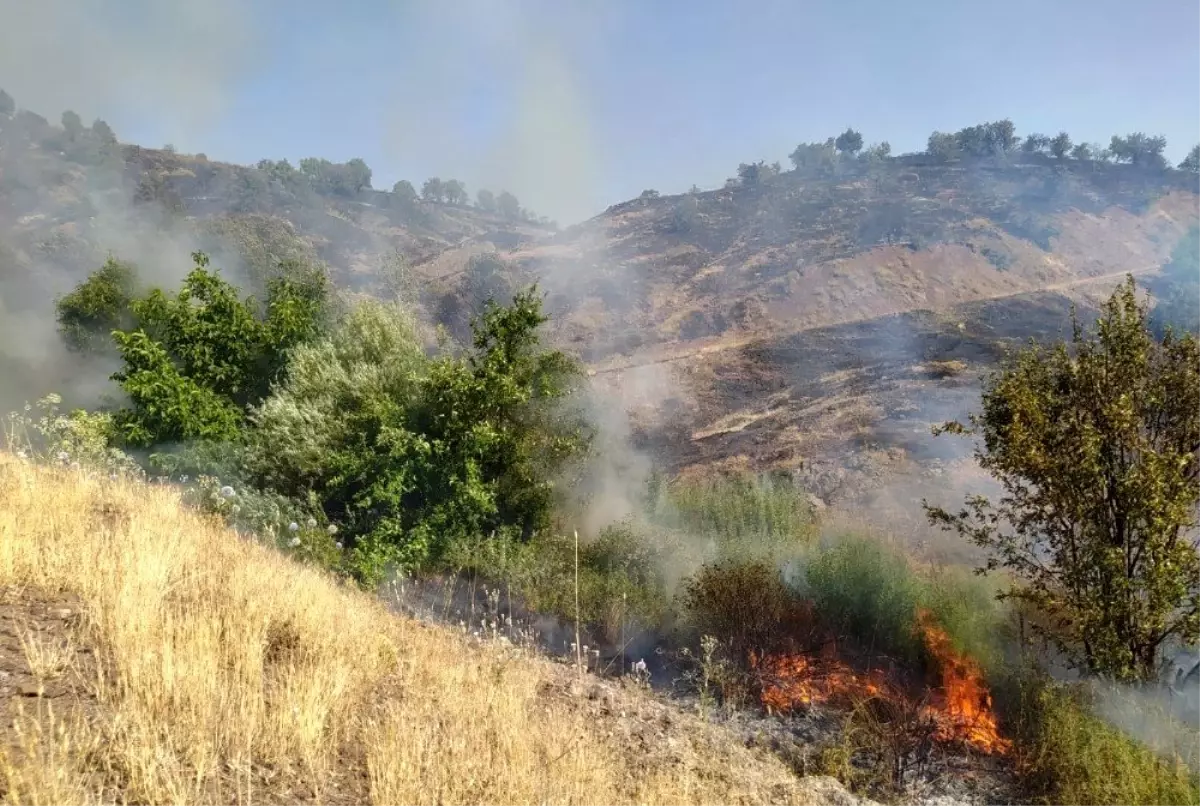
column 294, row 542
column 227, row 491
column 338, row 544
column 293, row 527
column 332, row 529
column 311, row 523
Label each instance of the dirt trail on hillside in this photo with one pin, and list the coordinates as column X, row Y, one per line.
column 712, row 346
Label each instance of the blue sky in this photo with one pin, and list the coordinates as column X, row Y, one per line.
column 577, row 105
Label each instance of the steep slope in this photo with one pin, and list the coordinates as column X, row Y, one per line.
column 151, row 656
column 802, row 251
column 693, row 310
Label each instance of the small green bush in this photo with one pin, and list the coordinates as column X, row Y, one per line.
column 748, row 605
column 740, row 516
column 1065, row 754
column 621, row 587
column 870, row 593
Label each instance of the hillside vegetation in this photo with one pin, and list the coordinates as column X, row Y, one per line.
column 165, row 659
column 634, row 443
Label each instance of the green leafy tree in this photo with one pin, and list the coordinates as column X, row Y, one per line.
column 1003, row 135
column 1082, row 151
column 1036, row 144
column 818, row 157
column 753, row 174
column 455, row 192
column 1096, row 445
column 164, row 404
column 485, row 200
column 1192, row 161
column 849, row 142
column 434, row 190
column 72, row 125
column 8, row 107
column 99, row 305
column 878, row 152
column 192, row 358
column 942, row 146
column 356, row 177
column 413, row 454
column 103, row 132
column 508, row 206
column 405, row 193
column 1138, row 149
column 1060, row 146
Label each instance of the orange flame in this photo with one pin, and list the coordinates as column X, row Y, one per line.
column 962, row 707
column 960, row 710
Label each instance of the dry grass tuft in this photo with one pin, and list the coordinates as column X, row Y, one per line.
column 224, row 673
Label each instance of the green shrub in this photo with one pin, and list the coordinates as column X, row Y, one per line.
column 620, row 583
column 412, row 454
column 748, row 605
column 1065, row 754
column 741, row 516
column 98, row 306
column 870, row 593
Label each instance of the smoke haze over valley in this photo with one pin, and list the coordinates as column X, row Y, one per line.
column 782, row 241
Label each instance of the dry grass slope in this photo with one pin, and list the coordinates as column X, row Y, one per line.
column 201, row 668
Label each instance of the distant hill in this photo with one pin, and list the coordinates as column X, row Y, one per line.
column 698, row 310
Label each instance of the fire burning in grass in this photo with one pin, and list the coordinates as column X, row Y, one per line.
column 959, row 710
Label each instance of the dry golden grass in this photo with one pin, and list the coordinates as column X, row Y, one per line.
column 225, row 673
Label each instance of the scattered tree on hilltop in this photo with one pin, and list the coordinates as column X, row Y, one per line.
column 1138, row 149
column 942, row 146
column 1192, row 161
column 7, row 105
column 1036, row 144
column 878, row 152
column 72, row 125
column 508, row 206
column 404, row 192
column 849, row 142
column 455, row 192
column 433, row 190
column 1081, row 151
column 103, row 131
column 1060, row 146
column 485, row 200
column 1097, row 447
column 754, row 173
column 346, row 179
column 819, row 157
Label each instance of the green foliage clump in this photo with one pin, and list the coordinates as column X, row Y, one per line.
column 410, row 453
column 743, row 517
column 195, row 360
column 747, row 605
column 620, row 579
column 101, row 304
column 871, row 594
column 79, row 439
column 1095, row 446
column 1066, row 754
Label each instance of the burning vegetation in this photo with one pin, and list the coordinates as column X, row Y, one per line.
column 955, row 706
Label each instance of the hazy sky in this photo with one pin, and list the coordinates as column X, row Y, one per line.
column 575, row 105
